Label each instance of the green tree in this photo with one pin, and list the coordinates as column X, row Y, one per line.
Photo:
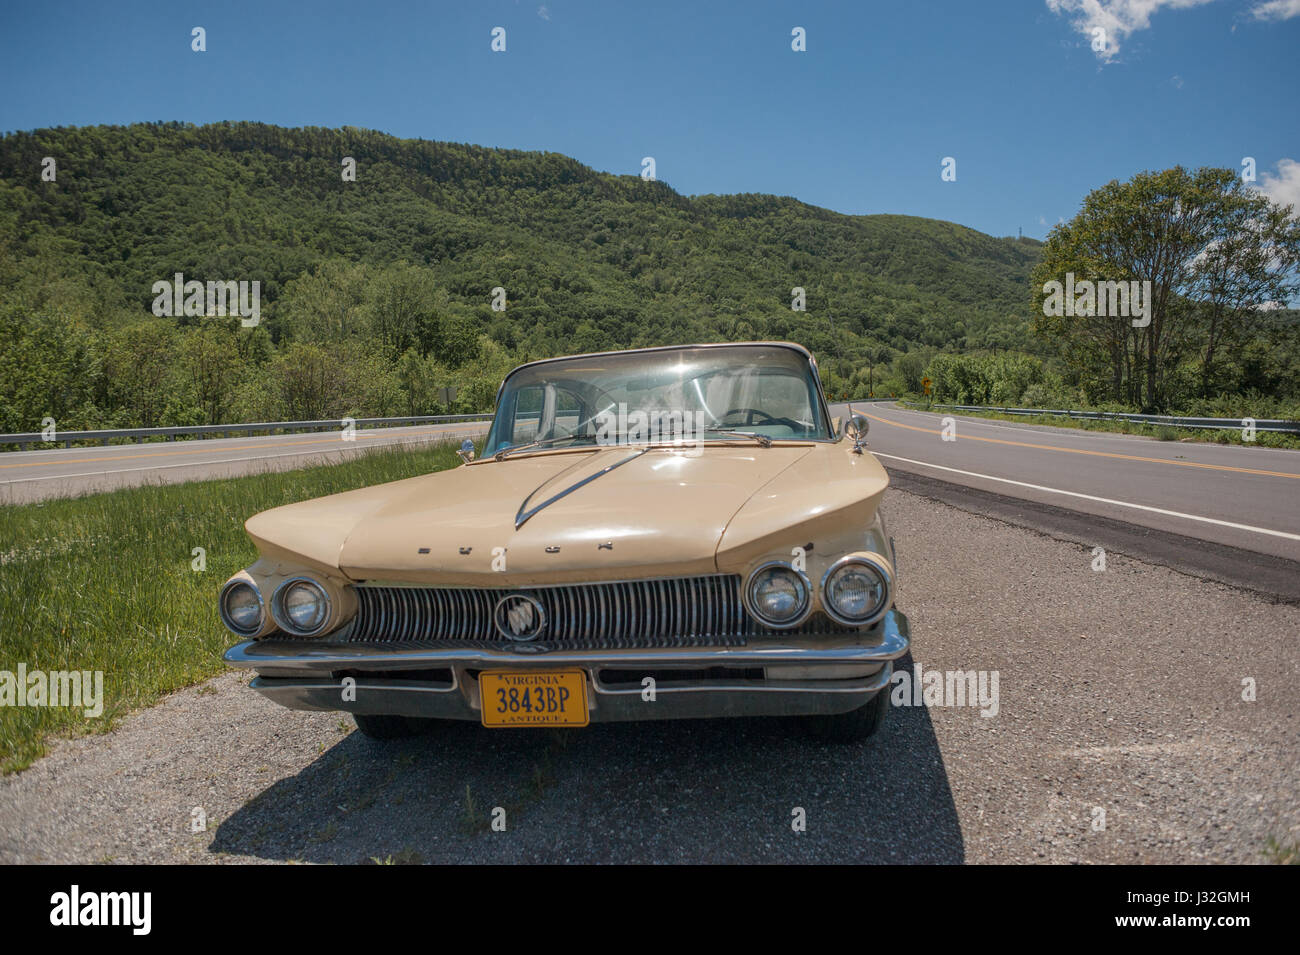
column 212, row 367
column 1213, row 251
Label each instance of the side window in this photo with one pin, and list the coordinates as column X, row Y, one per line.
column 528, row 411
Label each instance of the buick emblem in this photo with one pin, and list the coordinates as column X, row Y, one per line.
column 519, row 617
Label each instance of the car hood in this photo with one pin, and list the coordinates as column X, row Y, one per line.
column 663, row 512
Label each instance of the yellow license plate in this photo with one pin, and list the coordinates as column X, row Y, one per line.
column 534, row 698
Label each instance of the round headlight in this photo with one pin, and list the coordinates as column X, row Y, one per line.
column 301, row 606
column 856, row 591
column 241, row 608
column 777, row 595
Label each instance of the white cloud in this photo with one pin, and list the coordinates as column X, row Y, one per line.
column 1118, row 19
column 544, row 13
column 1276, row 10
column 1177, row 81
column 1284, row 187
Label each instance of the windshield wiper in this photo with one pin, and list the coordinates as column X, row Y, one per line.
column 762, row 439
column 544, row 443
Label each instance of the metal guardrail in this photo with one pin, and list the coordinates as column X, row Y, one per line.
column 226, row 430
column 1226, row 424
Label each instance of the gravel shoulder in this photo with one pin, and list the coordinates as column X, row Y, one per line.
column 1119, row 691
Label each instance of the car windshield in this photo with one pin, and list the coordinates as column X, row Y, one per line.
column 718, row 393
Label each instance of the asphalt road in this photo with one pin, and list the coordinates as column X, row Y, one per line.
column 1226, row 512
column 63, row 472
column 1121, row 735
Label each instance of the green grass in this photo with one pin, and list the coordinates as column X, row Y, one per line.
column 104, row 582
column 1263, row 439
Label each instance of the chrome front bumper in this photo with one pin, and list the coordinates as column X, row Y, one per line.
column 834, row 675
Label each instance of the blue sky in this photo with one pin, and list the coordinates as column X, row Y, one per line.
column 859, row 123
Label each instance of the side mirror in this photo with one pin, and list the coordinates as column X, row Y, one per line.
column 466, row 452
column 856, row 427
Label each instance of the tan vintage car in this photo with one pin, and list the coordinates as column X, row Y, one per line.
column 649, row 534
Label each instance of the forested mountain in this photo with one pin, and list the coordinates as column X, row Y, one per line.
column 375, row 292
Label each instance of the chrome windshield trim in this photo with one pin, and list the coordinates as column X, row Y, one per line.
column 823, row 410
column 659, row 348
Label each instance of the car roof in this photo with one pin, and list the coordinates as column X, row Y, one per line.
column 657, row 348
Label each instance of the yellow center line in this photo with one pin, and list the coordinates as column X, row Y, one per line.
column 1099, row 454
column 237, row 447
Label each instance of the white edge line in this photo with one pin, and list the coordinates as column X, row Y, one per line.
column 1101, row 500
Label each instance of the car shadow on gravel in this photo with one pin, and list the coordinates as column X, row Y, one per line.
column 670, row 791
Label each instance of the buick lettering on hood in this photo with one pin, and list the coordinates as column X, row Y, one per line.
column 652, row 534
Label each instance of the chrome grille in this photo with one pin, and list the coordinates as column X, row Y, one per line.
column 675, row 612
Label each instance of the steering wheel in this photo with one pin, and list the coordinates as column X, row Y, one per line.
column 749, row 413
